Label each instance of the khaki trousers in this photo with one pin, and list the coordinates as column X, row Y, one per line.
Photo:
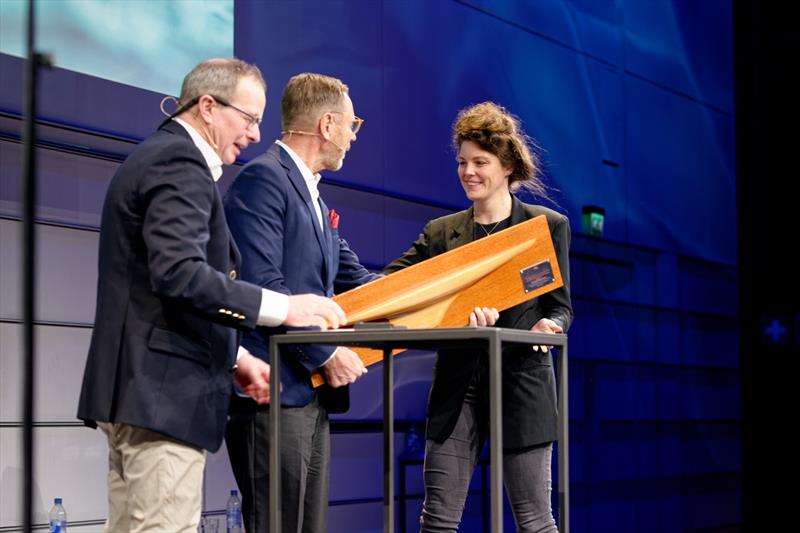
column 155, row 483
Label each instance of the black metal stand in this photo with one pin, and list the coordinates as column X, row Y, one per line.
column 431, row 339
column 32, row 64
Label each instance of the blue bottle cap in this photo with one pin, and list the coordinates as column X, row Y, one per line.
column 57, row 501
column 234, row 492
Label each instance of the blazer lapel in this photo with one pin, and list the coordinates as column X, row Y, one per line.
column 296, row 178
column 460, row 230
column 332, row 245
column 518, row 213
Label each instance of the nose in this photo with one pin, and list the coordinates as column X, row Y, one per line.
column 254, row 134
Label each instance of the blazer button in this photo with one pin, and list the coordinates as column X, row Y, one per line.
column 232, row 274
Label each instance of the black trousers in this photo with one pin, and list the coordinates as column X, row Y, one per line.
column 305, row 460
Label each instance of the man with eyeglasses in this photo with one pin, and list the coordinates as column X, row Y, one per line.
column 290, row 244
column 163, row 355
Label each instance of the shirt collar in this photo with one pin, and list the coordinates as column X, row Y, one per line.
column 310, row 178
column 212, row 159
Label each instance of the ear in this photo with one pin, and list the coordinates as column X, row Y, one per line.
column 205, row 107
column 326, row 125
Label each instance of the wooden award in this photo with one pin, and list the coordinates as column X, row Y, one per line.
column 501, row 270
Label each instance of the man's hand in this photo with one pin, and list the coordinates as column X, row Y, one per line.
column 343, row 368
column 252, row 376
column 483, row 316
column 313, row 310
column 545, row 325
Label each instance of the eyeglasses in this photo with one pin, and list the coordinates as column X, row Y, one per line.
column 252, row 120
column 355, row 125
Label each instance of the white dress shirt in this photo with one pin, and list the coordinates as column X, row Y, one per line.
column 311, row 179
column 274, row 305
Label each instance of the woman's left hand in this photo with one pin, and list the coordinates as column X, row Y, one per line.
column 545, row 325
column 483, row 316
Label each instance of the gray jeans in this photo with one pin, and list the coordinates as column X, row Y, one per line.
column 449, row 467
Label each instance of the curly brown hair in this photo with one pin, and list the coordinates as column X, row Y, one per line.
column 497, row 131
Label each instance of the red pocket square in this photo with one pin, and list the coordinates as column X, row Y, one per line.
column 333, row 219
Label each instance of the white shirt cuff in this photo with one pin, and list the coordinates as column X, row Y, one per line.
column 242, row 351
column 274, row 308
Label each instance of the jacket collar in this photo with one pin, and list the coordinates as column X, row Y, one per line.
column 461, row 228
column 211, row 157
column 298, row 182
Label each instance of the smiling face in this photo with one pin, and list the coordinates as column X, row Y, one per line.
column 482, row 175
column 234, row 131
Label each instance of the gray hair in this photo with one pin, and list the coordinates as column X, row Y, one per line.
column 218, row 77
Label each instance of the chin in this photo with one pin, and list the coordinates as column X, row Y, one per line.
column 472, row 196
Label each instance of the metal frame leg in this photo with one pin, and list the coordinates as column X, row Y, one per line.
column 496, row 431
column 563, row 441
column 274, row 435
column 388, row 441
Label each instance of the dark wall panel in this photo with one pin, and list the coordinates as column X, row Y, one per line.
column 680, row 171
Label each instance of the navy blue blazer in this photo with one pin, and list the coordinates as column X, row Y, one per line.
column 272, row 219
column 167, row 299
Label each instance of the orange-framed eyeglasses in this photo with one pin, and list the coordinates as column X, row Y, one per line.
column 355, row 125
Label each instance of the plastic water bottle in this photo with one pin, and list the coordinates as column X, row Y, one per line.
column 233, row 513
column 58, row 517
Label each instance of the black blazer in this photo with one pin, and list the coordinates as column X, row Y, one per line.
column 167, row 298
column 529, row 395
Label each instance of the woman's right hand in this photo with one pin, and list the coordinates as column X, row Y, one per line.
column 483, row 316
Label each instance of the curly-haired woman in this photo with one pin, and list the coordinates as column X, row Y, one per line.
column 494, row 160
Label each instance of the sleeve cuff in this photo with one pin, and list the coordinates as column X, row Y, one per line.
column 242, row 351
column 329, row 358
column 274, row 308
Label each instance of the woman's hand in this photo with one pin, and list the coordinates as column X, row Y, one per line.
column 483, row 316
column 545, row 325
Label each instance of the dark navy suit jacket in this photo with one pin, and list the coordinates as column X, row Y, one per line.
column 167, row 300
column 272, row 219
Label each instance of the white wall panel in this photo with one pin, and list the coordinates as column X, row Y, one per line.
column 71, row 188
column 69, row 462
column 60, row 358
column 66, row 273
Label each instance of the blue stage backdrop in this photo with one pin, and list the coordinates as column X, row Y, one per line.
column 631, row 104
